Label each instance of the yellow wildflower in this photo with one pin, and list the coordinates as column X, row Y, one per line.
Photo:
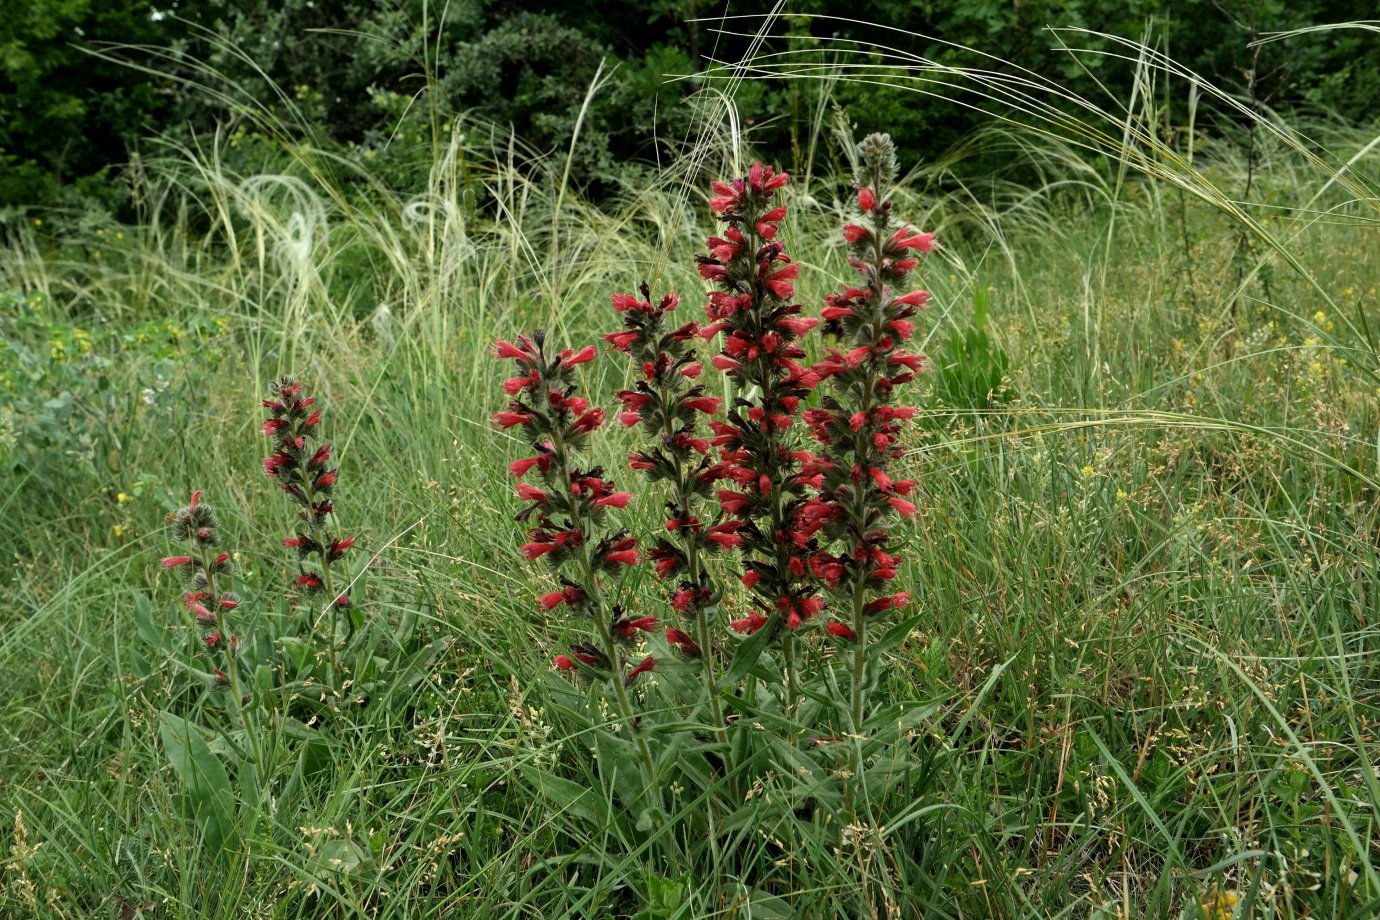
column 1219, row 905
column 123, row 497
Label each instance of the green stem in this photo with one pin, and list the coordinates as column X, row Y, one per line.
column 596, row 595
column 232, row 665
column 702, row 633
column 859, row 656
column 335, row 617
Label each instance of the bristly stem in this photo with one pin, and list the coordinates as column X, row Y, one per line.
column 601, row 621
column 232, row 663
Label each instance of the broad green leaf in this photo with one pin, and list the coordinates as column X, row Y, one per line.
column 205, row 784
column 569, row 797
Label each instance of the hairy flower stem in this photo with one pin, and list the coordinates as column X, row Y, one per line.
column 788, row 643
column 232, row 669
column 778, row 515
column 601, row 623
column 702, row 629
column 311, row 494
column 335, row 617
column 859, row 598
column 859, row 656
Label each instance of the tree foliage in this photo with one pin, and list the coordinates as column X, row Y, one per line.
column 351, row 72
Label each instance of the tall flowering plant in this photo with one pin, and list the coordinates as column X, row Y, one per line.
column 858, row 423
column 769, row 480
column 804, row 524
column 301, row 463
column 667, row 402
column 568, row 515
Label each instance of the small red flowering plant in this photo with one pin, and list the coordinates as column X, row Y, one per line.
column 301, row 463
column 208, row 571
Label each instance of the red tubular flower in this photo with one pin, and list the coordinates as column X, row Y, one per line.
column 509, row 419
column 515, row 385
column 749, row 624
column 571, row 594
column 648, row 664
column 841, row 631
column 583, row 356
column 682, row 641
column 621, row 557
column 530, row 493
column 628, row 629
column 888, row 602
column 706, row 404
column 614, row 500
column 336, row 549
column 621, row 341
column 507, row 350
column 725, row 535
column 904, row 239
column 564, row 663
column 173, row 562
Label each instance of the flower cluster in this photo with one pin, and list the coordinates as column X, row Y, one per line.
column 859, row 424
column 668, row 401
column 567, row 511
column 302, row 466
column 767, row 482
column 208, row 571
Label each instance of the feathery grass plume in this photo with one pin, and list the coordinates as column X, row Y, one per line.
column 568, row 514
column 858, row 423
column 761, row 353
column 301, row 463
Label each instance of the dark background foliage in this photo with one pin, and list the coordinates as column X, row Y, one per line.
column 355, row 73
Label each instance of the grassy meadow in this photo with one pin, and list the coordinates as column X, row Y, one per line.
column 1146, row 559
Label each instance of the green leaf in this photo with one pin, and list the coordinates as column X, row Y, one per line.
column 205, row 784
column 897, row 634
column 744, row 657
column 153, row 633
column 565, row 795
column 665, row 897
